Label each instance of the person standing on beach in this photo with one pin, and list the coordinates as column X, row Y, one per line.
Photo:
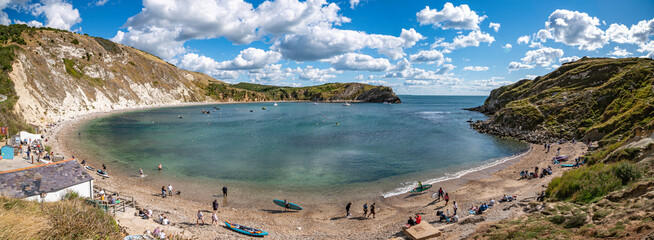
column 163, row 191
column 455, row 207
column 104, row 167
column 447, row 198
column 224, row 191
column 440, row 193
column 160, row 167
column 170, row 190
column 365, row 210
column 372, row 210
column 558, row 150
column 215, row 205
column 200, row 215
column 214, row 219
column 347, row 209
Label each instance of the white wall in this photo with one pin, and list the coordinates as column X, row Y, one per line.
column 84, row 190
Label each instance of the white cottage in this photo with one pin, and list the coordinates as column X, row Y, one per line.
column 54, row 179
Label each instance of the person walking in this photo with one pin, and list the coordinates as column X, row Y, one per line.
column 455, row 207
column 365, row 210
column 347, row 209
column 163, row 191
column 214, row 219
column 200, row 215
column 447, row 198
column 372, row 210
column 170, row 190
column 224, row 191
column 215, row 205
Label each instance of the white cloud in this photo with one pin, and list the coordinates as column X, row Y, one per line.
column 100, row 2
column 195, row 62
column 417, row 82
column 494, row 26
column 359, row 62
column 637, row 34
column 543, row 57
column 531, row 77
column 569, row 59
column 354, row 3
column 271, row 74
column 32, row 23
column 430, row 56
column 4, row 19
column 411, row 37
column 619, row 52
column 543, row 35
column 321, row 43
column 476, row 68
column 459, row 17
column 648, row 49
column 58, row 14
column 523, row 39
column 317, row 75
column 576, row 29
column 235, row 20
column 517, row 66
column 486, row 84
column 473, row 39
column 250, row 58
column 508, row 46
column 377, row 82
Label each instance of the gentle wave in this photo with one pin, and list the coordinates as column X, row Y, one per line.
column 434, row 112
column 407, row 186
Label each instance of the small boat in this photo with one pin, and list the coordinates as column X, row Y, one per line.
column 561, row 158
column 89, row 168
column 291, row 205
column 103, row 173
column 246, row 230
column 346, row 104
column 315, row 103
column 469, row 120
column 139, row 237
column 421, row 188
column 179, row 116
column 251, row 110
column 275, row 104
column 263, row 108
column 387, row 103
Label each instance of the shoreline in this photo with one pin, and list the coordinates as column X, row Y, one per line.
column 315, row 221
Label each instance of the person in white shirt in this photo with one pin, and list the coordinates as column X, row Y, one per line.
column 170, row 190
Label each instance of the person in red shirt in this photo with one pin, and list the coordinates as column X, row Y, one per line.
column 418, row 218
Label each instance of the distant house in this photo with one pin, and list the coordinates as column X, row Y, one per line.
column 54, row 179
column 7, row 152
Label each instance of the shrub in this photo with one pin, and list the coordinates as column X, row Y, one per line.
column 627, row 172
column 75, row 41
column 576, row 221
column 558, row 219
column 586, row 184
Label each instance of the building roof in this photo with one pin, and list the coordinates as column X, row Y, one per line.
column 31, row 181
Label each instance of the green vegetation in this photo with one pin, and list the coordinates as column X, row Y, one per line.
column 75, row 41
column 325, row 92
column 12, row 33
column 108, row 45
column 8, row 117
column 76, row 71
column 69, row 219
column 588, row 184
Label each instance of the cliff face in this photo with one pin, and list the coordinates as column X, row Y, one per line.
column 605, row 100
column 52, row 75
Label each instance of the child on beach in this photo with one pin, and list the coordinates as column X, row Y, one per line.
column 447, row 198
column 347, row 209
column 365, row 209
column 200, row 215
column 214, row 219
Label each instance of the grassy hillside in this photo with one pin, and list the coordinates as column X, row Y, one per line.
column 68, row 219
column 325, row 92
column 10, row 37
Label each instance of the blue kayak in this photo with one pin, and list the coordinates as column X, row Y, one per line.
column 246, row 230
column 290, row 205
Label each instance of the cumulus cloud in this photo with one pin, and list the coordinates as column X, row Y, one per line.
column 32, row 23
column 157, row 40
column 487, row 84
column 508, row 46
column 473, row 39
column 404, row 70
column 475, row 68
column 359, row 62
column 416, row 82
column 637, row 34
column 619, row 52
column 517, row 66
column 354, row 3
column 377, row 82
column 271, row 74
column 250, row 58
column 459, row 17
column 543, row 57
column 531, row 77
column 410, row 37
column 523, row 39
column 197, row 63
column 575, row 28
column 317, row 75
column 648, row 49
column 430, row 56
column 321, row 43
column 100, row 2
column 58, row 14
column 494, row 26
column 569, row 59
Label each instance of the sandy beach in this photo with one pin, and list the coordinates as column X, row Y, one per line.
column 323, row 221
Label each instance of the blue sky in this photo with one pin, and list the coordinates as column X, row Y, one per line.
column 416, row 47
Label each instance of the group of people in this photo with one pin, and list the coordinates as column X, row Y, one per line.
column 372, row 208
column 479, row 209
column 413, row 220
column 529, row 175
column 168, row 191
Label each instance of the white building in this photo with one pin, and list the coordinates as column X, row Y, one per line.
column 54, row 179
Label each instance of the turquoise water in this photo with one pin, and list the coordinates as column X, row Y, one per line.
column 302, row 146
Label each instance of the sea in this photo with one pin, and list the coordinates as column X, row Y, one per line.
column 317, row 151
